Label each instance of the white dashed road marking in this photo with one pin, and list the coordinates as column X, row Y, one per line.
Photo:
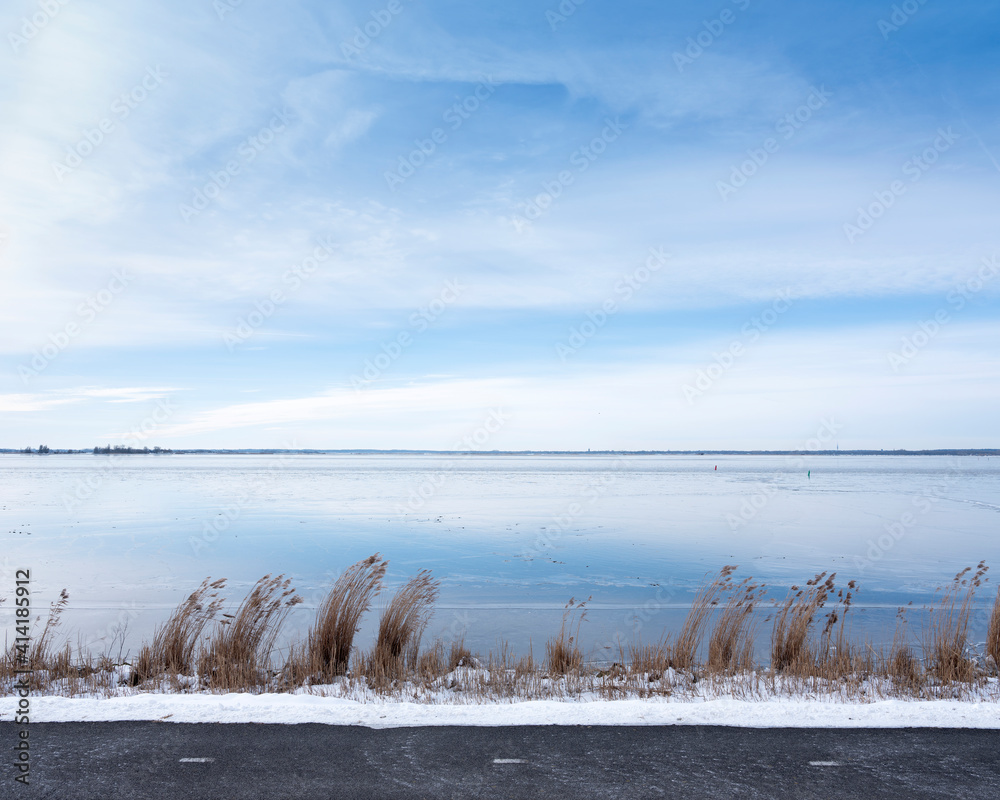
column 508, row 760
column 824, row 763
column 197, row 760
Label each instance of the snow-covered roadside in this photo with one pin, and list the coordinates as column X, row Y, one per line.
column 300, row 708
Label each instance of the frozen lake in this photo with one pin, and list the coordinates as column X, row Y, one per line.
column 512, row 538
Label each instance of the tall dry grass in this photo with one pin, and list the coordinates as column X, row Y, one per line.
column 239, row 653
column 174, row 645
column 651, row 660
column 812, row 650
column 836, row 658
column 730, row 645
column 40, row 655
column 328, row 647
column 688, row 643
column 400, row 628
column 45, row 660
column 902, row 665
column 562, row 652
column 993, row 634
column 507, row 675
column 790, row 650
column 459, row 655
column 948, row 629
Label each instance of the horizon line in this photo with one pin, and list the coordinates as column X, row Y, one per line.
column 129, row 450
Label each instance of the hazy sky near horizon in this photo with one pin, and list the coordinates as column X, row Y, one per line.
column 519, row 225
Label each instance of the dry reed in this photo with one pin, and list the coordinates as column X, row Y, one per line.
column 237, row 655
column 902, row 665
column 688, row 643
column 993, row 635
column 459, row 655
column 790, row 651
column 172, row 650
column 649, row 660
column 835, row 659
column 948, row 629
column 730, row 646
column 240, row 649
column 328, row 648
column 562, row 653
column 400, row 628
column 45, row 662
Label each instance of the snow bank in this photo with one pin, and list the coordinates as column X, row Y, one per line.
column 300, row 708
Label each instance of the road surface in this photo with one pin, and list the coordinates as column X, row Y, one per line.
column 147, row 760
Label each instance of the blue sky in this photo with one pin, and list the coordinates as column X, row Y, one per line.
column 611, row 225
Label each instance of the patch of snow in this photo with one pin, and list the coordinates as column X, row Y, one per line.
column 313, row 708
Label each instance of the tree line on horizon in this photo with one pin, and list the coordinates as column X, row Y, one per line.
column 118, row 449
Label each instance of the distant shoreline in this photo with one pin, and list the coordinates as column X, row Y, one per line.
column 369, row 452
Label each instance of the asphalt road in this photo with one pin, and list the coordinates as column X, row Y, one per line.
column 125, row 760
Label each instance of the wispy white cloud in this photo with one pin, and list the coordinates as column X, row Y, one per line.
column 132, row 394
column 44, row 401
column 17, row 403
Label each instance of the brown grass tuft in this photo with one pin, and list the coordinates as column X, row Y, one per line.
column 432, row 663
column 948, row 628
column 685, row 649
column 172, row 650
column 459, row 655
column 562, row 652
column 237, row 655
column 993, row 634
column 40, row 656
column 400, row 628
column 649, row 659
column 240, row 649
column 790, row 650
column 328, row 649
column 730, row 646
column 836, row 659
